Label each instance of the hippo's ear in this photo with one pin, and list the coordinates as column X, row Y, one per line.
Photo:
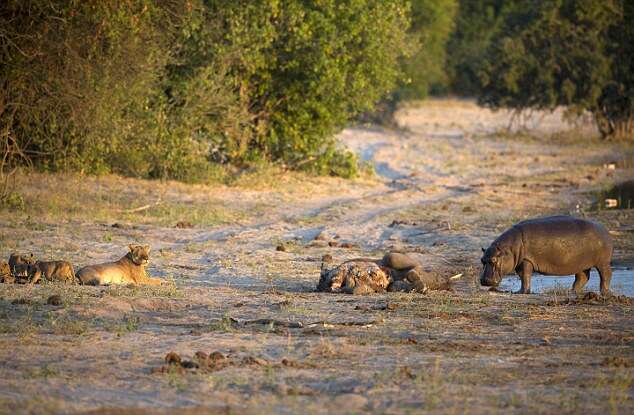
column 483, row 250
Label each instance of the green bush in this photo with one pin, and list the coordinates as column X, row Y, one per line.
column 573, row 53
column 476, row 25
column 170, row 89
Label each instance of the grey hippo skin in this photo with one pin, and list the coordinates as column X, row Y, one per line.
column 555, row 245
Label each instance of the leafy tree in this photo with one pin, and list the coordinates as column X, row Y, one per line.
column 423, row 59
column 574, row 53
column 167, row 88
column 477, row 24
column 305, row 68
column 432, row 23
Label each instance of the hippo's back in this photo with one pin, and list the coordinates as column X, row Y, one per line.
column 564, row 245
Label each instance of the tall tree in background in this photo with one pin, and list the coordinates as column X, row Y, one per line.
column 476, row 25
column 573, row 53
column 423, row 59
column 424, row 71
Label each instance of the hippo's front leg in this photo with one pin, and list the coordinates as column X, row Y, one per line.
column 525, row 270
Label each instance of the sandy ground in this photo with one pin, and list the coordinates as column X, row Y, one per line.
column 446, row 184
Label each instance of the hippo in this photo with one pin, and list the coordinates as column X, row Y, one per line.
column 555, row 245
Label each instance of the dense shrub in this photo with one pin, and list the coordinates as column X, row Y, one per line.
column 574, row 53
column 169, row 88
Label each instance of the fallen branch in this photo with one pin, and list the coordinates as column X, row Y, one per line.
column 142, row 208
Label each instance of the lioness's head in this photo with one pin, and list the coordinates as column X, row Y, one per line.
column 22, row 259
column 139, row 254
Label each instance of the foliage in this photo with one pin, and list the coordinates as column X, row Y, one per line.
column 570, row 53
column 305, row 69
column 432, row 24
column 423, row 60
column 167, row 89
column 476, row 26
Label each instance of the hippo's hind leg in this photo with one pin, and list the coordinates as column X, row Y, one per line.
column 581, row 278
column 605, row 272
column 525, row 271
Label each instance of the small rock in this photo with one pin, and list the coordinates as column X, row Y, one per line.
column 54, row 300
column 346, row 245
column 333, row 244
column 321, row 236
column 290, row 363
column 280, row 248
column 591, row 296
column 327, row 258
column 396, row 223
column 184, row 225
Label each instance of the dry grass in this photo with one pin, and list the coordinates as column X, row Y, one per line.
column 229, row 290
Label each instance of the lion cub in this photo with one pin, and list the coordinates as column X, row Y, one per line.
column 5, row 273
column 128, row 270
column 52, row 271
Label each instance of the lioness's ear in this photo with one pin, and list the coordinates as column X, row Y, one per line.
column 131, row 246
column 147, row 248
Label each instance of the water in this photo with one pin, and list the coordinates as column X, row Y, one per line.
column 620, row 196
column 622, row 282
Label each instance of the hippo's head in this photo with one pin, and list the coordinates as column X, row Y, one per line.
column 497, row 262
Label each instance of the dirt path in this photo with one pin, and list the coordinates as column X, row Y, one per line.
column 445, row 185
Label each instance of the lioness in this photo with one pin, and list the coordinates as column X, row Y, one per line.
column 128, row 270
column 21, row 265
column 5, row 273
column 52, row 271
